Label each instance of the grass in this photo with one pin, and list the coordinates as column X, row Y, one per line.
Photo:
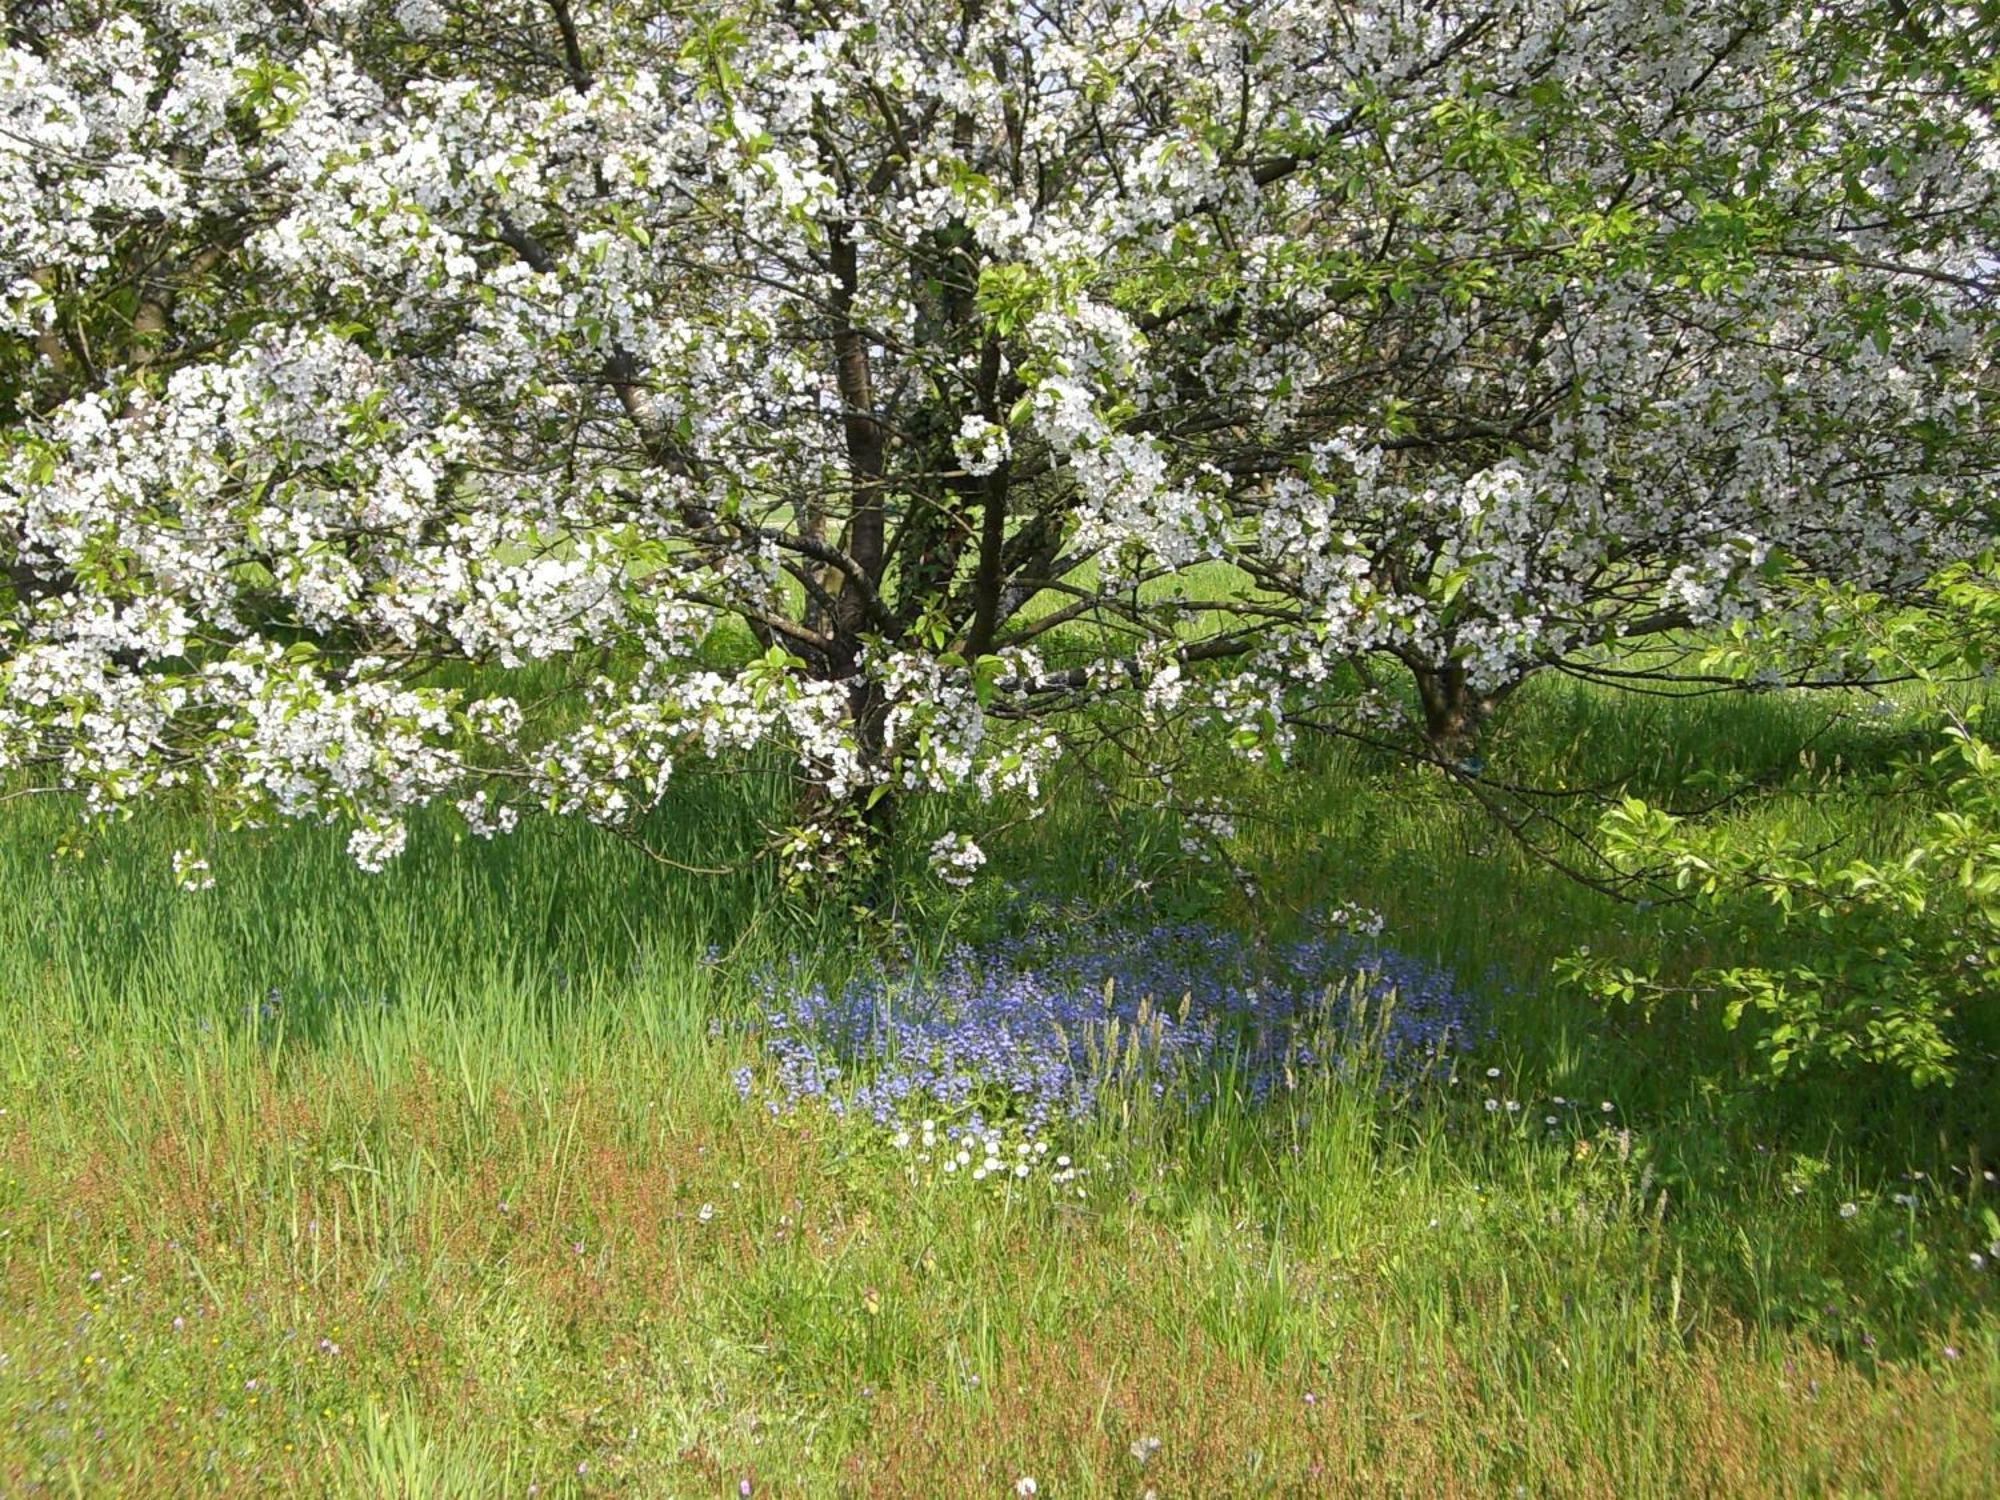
column 435, row 1183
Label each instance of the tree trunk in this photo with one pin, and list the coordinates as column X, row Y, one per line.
column 1454, row 713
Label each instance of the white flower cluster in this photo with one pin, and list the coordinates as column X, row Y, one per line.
column 1352, row 917
column 992, row 1155
column 191, row 871
column 955, row 858
column 981, row 446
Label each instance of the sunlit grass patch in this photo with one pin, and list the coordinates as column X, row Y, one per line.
column 474, row 1198
column 599, row 1284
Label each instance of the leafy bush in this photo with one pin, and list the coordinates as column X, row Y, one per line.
column 1848, row 961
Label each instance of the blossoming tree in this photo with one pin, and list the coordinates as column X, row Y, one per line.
column 887, row 383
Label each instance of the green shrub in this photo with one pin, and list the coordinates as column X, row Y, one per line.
column 1846, row 961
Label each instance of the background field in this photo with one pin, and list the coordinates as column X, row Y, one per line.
column 438, row 1182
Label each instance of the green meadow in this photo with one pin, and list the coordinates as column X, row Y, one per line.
column 438, row 1182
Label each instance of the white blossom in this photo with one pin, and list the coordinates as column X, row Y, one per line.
column 374, row 366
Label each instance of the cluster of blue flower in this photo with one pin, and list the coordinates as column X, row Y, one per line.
column 1049, row 1025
